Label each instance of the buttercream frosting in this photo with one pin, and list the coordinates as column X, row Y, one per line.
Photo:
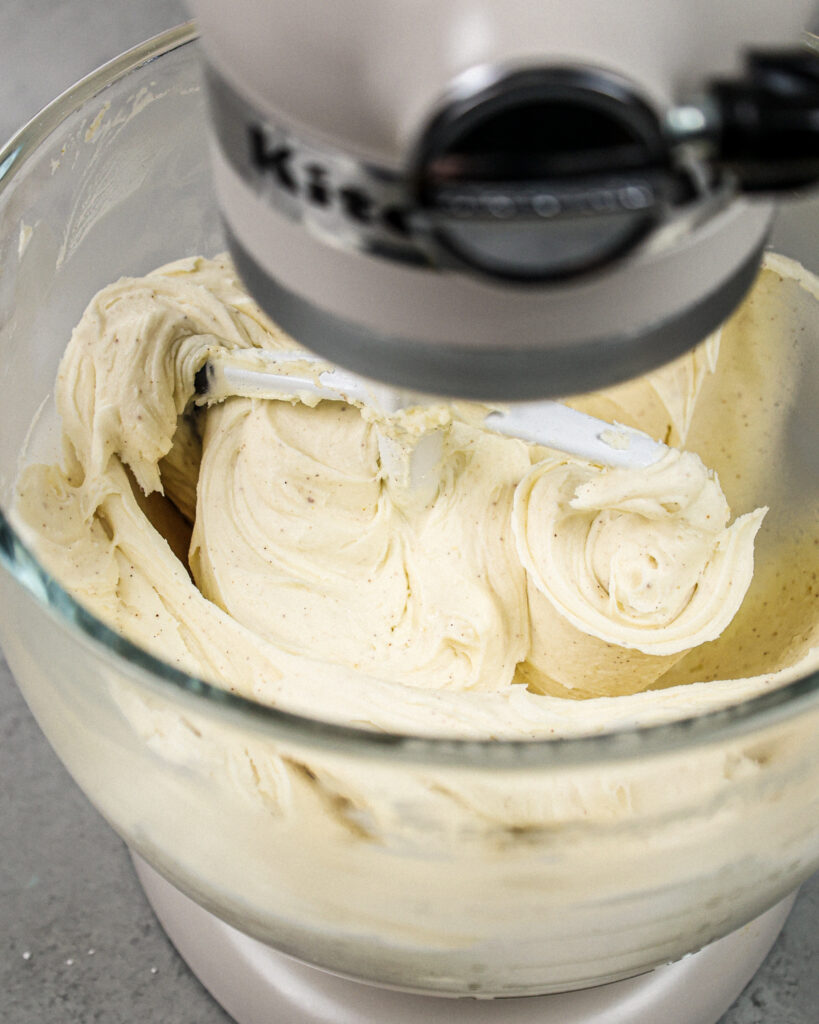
column 287, row 550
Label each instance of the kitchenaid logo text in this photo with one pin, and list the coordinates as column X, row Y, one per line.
column 308, row 180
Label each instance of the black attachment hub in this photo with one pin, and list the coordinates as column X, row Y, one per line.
column 544, row 174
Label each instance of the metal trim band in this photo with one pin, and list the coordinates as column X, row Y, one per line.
column 358, row 206
column 344, row 201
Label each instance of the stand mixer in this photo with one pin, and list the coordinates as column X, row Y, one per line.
column 406, row 229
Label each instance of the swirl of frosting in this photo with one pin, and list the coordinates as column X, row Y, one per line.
column 641, row 559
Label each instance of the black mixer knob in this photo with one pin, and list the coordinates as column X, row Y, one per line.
column 768, row 121
column 544, row 174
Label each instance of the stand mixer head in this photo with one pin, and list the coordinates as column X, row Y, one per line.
column 505, row 200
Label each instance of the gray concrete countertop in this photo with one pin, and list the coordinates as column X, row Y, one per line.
column 78, row 942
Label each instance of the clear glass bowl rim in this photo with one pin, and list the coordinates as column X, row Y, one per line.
column 758, row 712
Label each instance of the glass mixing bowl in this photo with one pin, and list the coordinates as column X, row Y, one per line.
column 489, row 868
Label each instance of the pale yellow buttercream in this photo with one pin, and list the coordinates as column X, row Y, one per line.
column 322, row 577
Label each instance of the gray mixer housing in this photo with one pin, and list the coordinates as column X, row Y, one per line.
column 499, row 199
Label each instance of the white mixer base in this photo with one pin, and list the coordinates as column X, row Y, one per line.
column 257, row 985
